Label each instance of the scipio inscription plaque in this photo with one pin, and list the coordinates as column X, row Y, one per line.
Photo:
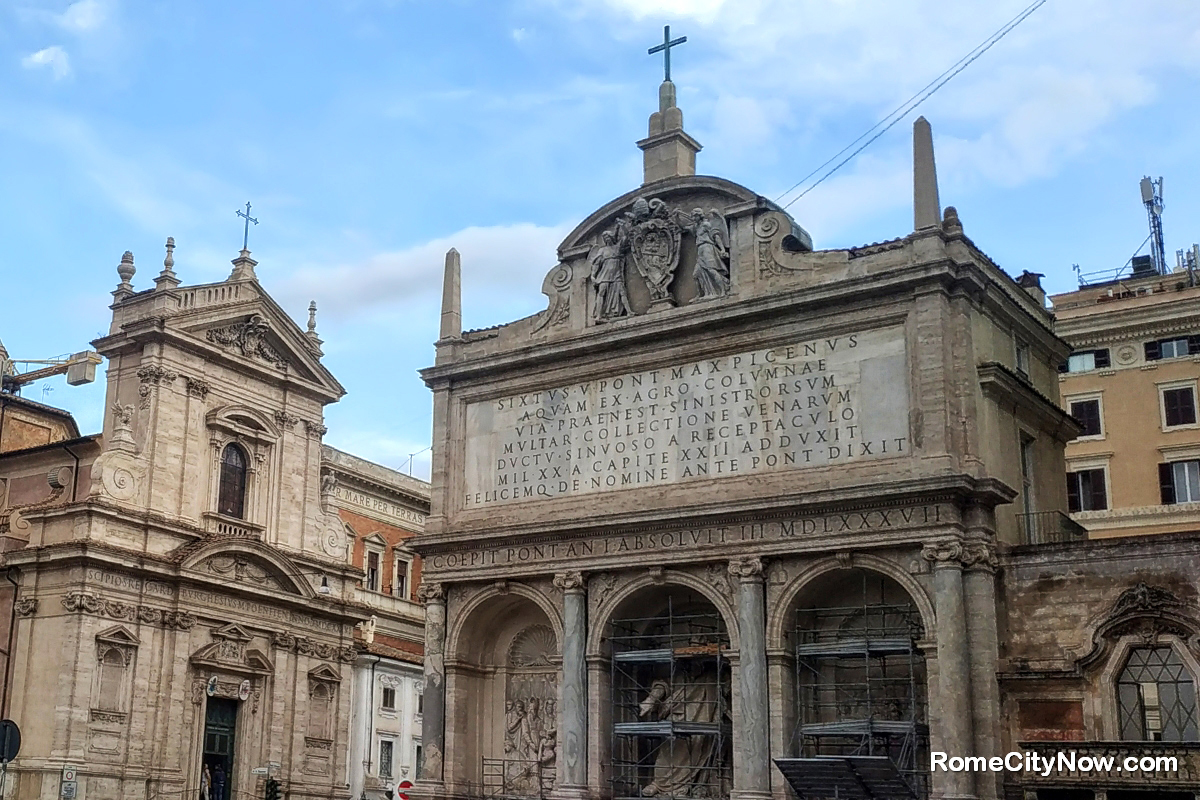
column 808, row 404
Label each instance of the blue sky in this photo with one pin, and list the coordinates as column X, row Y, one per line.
column 371, row 136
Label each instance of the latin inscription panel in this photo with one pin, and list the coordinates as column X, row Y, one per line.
column 809, row 404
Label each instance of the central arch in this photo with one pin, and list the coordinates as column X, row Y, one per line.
column 661, row 679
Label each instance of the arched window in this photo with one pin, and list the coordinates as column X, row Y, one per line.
column 112, row 679
column 1156, row 697
column 231, row 497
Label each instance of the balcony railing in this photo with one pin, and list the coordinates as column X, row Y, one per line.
column 1049, row 527
column 1113, row 765
column 230, row 526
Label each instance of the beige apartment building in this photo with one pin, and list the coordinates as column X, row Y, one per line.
column 1131, row 382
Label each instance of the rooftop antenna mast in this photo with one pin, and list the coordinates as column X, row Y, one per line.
column 1152, row 192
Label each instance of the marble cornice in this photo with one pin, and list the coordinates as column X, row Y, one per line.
column 405, row 497
column 677, row 325
column 954, row 490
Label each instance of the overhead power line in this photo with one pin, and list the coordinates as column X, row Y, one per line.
column 909, row 105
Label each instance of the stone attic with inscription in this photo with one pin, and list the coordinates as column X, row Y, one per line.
column 188, row 599
column 730, row 499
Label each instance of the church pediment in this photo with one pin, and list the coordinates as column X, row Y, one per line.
column 118, row 635
column 255, row 332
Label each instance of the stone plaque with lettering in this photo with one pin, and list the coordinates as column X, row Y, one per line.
column 812, row 403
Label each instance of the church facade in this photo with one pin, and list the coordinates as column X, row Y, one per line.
column 185, row 609
column 729, row 499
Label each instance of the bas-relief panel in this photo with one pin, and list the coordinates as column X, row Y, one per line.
column 808, row 404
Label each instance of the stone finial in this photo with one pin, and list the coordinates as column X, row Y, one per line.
column 243, row 267
column 927, row 211
column 452, row 297
column 167, row 278
column 951, row 224
column 311, row 333
column 668, row 151
column 126, row 270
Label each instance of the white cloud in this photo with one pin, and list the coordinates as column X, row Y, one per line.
column 702, row 10
column 502, row 260
column 520, row 34
column 83, row 16
column 54, row 58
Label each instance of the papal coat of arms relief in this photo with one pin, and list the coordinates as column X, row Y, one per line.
column 649, row 235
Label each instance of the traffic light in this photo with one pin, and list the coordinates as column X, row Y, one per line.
column 272, row 790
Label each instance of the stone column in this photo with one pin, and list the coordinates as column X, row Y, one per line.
column 979, row 591
column 573, row 716
column 954, row 673
column 433, row 720
column 753, row 781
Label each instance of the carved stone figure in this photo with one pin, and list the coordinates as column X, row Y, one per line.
column 712, row 250
column 691, row 700
column 608, row 276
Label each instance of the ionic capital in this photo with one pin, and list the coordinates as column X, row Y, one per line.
column 747, row 569
column 569, row 582
column 943, row 555
column 431, row 593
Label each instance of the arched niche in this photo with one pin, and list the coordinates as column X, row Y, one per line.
column 502, row 674
column 853, row 644
column 664, row 725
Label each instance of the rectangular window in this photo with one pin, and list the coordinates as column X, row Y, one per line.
column 1023, row 360
column 1179, row 406
column 1180, row 482
column 1086, row 491
column 1086, row 360
column 373, row 571
column 1087, row 413
column 386, row 749
column 420, row 702
column 418, row 759
column 1177, row 347
column 400, row 583
column 389, row 699
column 1027, row 472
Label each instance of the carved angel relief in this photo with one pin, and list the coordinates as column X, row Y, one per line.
column 650, row 235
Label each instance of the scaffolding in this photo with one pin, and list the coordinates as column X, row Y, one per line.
column 517, row 778
column 860, row 686
column 671, row 723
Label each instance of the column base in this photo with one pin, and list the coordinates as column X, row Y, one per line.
column 427, row 790
column 748, row 794
column 570, row 793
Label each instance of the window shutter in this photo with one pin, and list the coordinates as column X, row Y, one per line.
column 1166, row 484
column 1187, row 407
column 1194, row 345
column 1153, row 351
column 1062, row 367
column 1102, row 361
column 1099, row 498
column 1073, row 504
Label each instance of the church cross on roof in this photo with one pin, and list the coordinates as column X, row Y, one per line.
column 665, row 49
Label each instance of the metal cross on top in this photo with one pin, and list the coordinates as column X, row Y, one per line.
column 665, row 49
column 249, row 219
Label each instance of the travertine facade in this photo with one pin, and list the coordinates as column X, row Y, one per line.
column 187, row 599
column 652, row 501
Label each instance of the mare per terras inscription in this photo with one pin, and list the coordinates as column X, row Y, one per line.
column 813, row 403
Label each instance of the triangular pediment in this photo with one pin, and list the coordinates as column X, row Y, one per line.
column 118, row 635
column 250, row 329
column 233, row 632
column 375, row 539
column 324, row 672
